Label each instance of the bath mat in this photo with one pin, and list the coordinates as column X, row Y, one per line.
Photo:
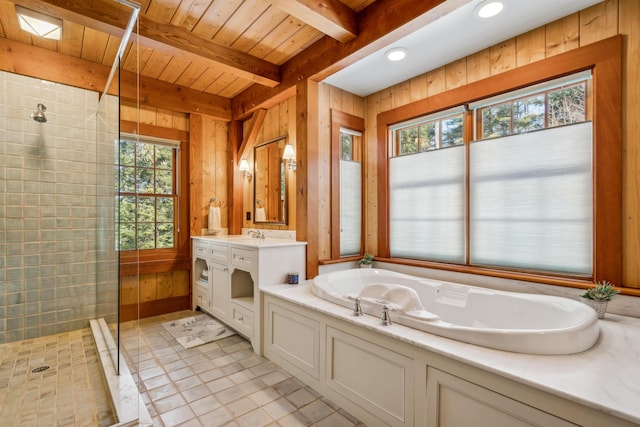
column 197, row 330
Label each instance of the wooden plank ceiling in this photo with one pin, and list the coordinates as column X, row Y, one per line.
column 226, row 49
column 234, row 43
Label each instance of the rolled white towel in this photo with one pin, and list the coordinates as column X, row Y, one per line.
column 214, row 220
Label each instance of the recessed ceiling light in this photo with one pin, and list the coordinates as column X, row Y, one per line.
column 488, row 9
column 38, row 24
column 396, row 54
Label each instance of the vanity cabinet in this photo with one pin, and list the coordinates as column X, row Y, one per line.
column 219, row 295
column 236, row 269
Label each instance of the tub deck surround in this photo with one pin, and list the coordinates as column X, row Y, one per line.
column 603, row 378
column 524, row 323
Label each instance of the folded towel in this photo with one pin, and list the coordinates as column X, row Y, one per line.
column 261, row 215
column 214, row 220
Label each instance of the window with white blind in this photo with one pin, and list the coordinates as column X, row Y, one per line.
column 427, row 188
column 350, row 193
column 347, row 217
column 519, row 197
column 531, row 204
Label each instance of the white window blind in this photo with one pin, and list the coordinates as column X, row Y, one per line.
column 531, row 200
column 427, row 205
column 350, row 207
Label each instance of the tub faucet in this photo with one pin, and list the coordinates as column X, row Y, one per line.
column 385, row 320
column 357, row 310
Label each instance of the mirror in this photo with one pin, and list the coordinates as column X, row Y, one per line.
column 270, row 187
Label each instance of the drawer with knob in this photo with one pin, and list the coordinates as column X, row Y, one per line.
column 242, row 319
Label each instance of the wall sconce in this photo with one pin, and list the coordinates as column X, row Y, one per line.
column 289, row 156
column 39, row 24
column 244, row 168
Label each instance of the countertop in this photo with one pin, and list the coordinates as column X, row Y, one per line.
column 606, row 377
column 248, row 241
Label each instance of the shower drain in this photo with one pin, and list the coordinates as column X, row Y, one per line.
column 39, row 369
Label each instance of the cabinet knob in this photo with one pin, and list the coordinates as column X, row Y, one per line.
column 241, row 318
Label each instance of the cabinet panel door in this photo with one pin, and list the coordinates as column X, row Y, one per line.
column 219, row 276
column 375, row 378
column 294, row 338
column 454, row 402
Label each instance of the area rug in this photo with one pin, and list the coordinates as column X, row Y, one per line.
column 197, row 330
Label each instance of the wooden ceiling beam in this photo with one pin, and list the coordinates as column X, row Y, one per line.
column 381, row 23
column 112, row 18
column 330, row 17
column 250, row 137
column 45, row 64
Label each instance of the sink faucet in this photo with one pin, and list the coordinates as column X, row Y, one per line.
column 257, row 234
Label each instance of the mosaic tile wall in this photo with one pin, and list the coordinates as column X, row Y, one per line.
column 50, row 179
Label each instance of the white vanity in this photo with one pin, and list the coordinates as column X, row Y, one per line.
column 229, row 271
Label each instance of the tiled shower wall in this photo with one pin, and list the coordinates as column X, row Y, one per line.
column 52, row 232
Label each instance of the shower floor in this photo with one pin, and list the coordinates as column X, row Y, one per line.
column 70, row 392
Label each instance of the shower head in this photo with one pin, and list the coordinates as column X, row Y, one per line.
column 38, row 115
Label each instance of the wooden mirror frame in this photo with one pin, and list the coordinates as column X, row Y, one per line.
column 270, row 182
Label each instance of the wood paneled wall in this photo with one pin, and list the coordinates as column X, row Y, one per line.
column 154, row 116
column 280, row 120
column 158, row 293
column 208, row 155
column 596, row 23
column 332, row 98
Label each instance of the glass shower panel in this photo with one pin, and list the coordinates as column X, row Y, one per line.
column 107, row 265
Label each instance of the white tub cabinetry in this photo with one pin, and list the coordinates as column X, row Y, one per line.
column 372, row 376
column 448, row 394
column 385, row 381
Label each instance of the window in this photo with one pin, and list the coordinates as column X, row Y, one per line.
column 427, row 188
column 346, row 185
column 519, row 197
column 350, row 193
column 429, row 133
column 542, row 110
column 603, row 108
column 147, row 188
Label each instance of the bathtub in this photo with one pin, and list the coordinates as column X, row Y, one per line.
column 518, row 322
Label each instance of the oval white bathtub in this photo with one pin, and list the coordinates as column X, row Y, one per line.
column 518, row 322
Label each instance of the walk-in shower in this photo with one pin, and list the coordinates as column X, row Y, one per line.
column 59, row 265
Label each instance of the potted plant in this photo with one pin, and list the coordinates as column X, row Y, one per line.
column 599, row 296
column 366, row 261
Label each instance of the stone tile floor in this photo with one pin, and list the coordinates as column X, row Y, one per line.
column 222, row 383
column 70, row 392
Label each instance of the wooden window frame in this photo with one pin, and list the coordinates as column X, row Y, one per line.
column 604, row 59
column 348, row 121
column 163, row 260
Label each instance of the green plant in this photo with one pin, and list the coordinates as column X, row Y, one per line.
column 603, row 291
column 366, row 259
